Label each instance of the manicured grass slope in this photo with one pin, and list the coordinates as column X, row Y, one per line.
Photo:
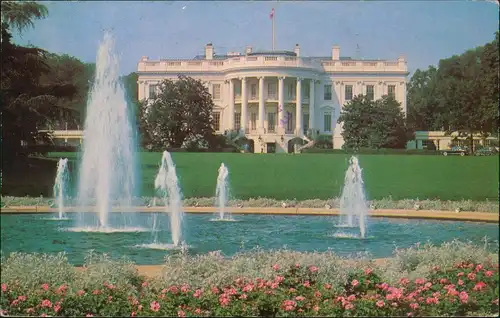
column 309, row 176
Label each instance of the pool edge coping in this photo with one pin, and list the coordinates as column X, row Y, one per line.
column 490, row 217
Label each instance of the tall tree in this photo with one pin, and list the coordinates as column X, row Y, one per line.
column 181, row 112
column 373, row 124
column 21, row 14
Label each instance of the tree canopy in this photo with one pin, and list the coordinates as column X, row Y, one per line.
column 181, row 113
column 373, row 124
column 460, row 95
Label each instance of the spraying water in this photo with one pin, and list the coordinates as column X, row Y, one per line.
column 107, row 172
column 60, row 184
column 353, row 206
column 222, row 193
column 166, row 184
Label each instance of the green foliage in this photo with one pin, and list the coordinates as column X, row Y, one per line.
column 276, row 283
column 20, row 14
column 373, row 124
column 460, row 95
column 182, row 111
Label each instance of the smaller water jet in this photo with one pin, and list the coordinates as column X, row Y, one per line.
column 222, row 194
column 353, row 205
column 166, row 184
column 60, row 185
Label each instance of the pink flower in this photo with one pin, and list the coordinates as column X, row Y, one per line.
column 46, row 303
column 243, row 296
column 80, row 293
column 414, row 306
column 464, row 297
column 133, row 314
column 173, row 289
column 404, row 281
column 248, row 288
column 431, row 300
column 274, row 285
column 21, row 298
column 184, row 288
column 443, row 281
column 487, row 273
column 380, row 303
column 299, row 298
column 43, row 315
column 317, row 294
column 288, row 305
column 154, row 306
column 45, row 287
column 14, row 303
column 276, row 267
column 313, row 269
column 453, row 292
column 297, row 265
column 479, row 267
column 479, row 286
column 471, row 276
column 4, row 288
column 355, row 283
column 279, row 279
column 307, row 284
column 215, row 290
column 89, row 315
column 368, row 271
column 224, row 300
column 197, row 311
column 316, row 308
column 292, row 290
column 348, row 306
column 419, row 281
column 383, row 286
column 328, row 286
column 428, row 285
column 181, row 313
column 198, row 293
column 145, row 284
column 30, row 310
column 139, row 308
column 57, row 308
column 460, row 282
column 351, row 297
column 460, row 274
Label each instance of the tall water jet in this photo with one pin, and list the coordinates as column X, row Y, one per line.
column 222, row 193
column 107, row 171
column 167, row 185
column 60, row 185
column 353, row 206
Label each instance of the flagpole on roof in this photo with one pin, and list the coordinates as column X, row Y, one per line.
column 272, row 19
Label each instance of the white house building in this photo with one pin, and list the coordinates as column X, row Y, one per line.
column 275, row 97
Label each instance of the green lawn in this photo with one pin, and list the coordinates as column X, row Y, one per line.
column 309, row 176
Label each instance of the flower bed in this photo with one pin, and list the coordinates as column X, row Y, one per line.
column 454, row 279
column 294, row 291
column 387, row 203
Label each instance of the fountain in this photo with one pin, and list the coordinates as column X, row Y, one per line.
column 353, row 206
column 166, row 184
column 60, row 184
column 107, row 172
column 222, row 194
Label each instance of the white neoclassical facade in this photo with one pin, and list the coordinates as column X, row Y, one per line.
column 272, row 98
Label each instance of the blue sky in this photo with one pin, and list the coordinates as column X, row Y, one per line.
column 422, row 31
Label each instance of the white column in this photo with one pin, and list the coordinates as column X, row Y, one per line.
column 298, row 108
column 262, row 108
column 312, row 94
column 231, row 105
column 244, row 104
column 281, row 104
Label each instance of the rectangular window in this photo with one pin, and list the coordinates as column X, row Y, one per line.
column 237, row 121
column 271, row 122
column 216, row 91
column 289, row 122
column 271, row 91
column 370, row 92
column 237, row 89
column 291, row 91
column 253, row 121
column 328, row 92
column 391, row 91
column 153, row 91
column 305, row 123
column 327, row 122
column 216, row 121
column 348, row 92
column 305, row 90
column 253, row 91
